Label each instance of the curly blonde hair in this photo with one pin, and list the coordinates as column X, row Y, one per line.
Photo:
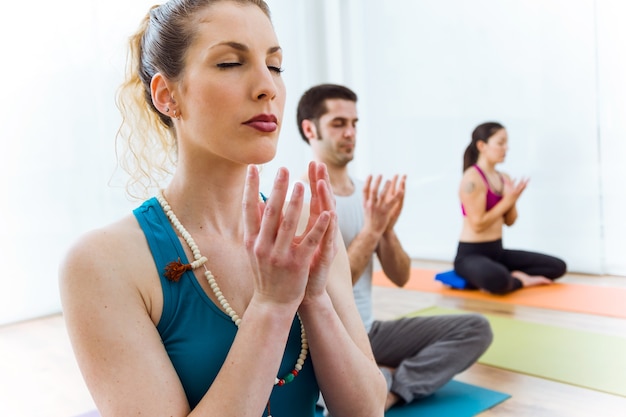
column 146, row 140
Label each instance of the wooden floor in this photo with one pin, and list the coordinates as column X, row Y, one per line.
column 39, row 377
column 531, row 396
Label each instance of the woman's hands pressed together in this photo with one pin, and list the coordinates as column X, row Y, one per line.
column 288, row 265
column 513, row 189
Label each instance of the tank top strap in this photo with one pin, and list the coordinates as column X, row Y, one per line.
column 164, row 246
column 482, row 174
column 163, row 241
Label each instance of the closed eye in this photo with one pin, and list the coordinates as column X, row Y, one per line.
column 225, row 65
column 277, row 70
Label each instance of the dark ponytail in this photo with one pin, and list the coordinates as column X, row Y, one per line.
column 482, row 133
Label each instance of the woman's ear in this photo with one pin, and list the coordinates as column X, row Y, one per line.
column 162, row 95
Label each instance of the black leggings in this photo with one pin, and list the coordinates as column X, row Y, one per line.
column 488, row 266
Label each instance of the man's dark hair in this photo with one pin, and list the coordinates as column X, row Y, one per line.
column 312, row 104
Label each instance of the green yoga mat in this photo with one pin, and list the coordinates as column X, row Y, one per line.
column 575, row 357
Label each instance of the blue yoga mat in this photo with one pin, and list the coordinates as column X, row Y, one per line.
column 455, row 399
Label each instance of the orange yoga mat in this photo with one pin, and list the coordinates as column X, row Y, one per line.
column 579, row 298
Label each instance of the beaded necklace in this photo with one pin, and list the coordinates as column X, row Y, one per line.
column 174, row 270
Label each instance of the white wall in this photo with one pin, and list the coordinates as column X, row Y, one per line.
column 445, row 67
column 59, row 121
column 611, row 34
column 426, row 72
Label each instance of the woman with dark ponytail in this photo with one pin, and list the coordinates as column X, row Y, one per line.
column 206, row 301
column 488, row 200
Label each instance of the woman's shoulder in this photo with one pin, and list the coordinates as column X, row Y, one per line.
column 104, row 254
column 107, row 238
column 471, row 175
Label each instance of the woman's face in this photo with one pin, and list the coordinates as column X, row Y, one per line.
column 494, row 150
column 232, row 95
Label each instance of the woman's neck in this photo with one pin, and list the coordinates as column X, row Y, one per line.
column 209, row 200
column 486, row 166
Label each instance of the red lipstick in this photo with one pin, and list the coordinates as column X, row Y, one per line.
column 263, row 123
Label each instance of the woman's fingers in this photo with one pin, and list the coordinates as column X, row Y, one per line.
column 313, row 180
column 289, row 223
column 251, row 208
column 276, row 229
column 313, row 238
column 273, row 214
column 326, row 198
column 308, row 243
column 283, row 261
column 324, row 255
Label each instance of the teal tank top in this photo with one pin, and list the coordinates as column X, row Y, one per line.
column 197, row 335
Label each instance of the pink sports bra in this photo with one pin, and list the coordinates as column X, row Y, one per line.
column 492, row 197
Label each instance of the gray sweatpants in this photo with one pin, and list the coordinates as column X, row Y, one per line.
column 428, row 351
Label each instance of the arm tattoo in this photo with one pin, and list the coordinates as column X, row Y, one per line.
column 469, row 187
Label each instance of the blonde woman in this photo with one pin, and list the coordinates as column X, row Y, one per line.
column 206, row 301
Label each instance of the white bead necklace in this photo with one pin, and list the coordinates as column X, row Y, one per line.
column 199, row 261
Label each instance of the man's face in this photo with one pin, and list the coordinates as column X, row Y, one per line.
column 336, row 133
